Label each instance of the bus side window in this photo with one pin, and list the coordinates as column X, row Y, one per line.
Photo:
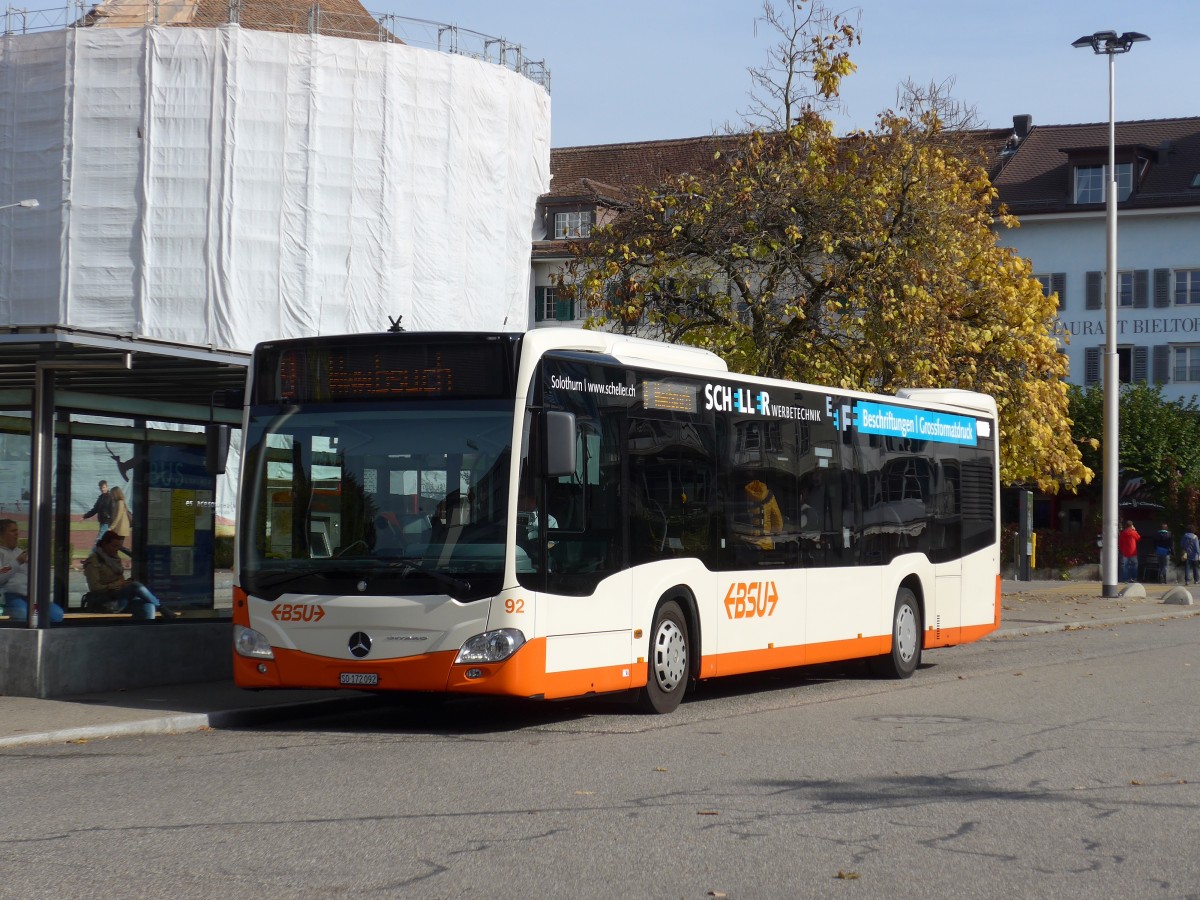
column 586, row 507
column 670, row 475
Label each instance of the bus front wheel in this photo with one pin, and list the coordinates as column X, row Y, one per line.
column 668, row 662
column 906, row 640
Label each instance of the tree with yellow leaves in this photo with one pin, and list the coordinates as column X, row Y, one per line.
column 865, row 262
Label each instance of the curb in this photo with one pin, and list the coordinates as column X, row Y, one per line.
column 1047, row 628
column 182, row 723
column 163, row 725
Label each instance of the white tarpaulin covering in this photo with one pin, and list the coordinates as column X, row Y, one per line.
column 222, row 187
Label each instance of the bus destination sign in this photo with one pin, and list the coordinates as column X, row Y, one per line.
column 348, row 373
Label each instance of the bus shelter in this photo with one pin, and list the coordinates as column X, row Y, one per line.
column 153, row 419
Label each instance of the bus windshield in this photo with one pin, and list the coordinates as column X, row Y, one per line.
column 376, row 498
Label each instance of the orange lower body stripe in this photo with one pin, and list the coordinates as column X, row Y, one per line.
column 524, row 674
column 746, row 661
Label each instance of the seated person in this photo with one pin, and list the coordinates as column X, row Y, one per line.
column 107, row 581
column 14, row 576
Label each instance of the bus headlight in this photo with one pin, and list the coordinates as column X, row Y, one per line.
column 248, row 642
column 491, row 646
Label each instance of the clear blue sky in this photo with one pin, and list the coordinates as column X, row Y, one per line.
column 635, row 70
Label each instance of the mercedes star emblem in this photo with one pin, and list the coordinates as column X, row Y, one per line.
column 360, row 644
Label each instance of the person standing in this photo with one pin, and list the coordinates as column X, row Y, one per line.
column 1163, row 543
column 1127, row 547
column 120, row 521
column 102, row 509
column 1190, row 545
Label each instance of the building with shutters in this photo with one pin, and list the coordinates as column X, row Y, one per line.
column 1053, row 180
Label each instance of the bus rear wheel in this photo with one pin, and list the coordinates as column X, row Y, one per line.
column 906, row 640
column 669, row 661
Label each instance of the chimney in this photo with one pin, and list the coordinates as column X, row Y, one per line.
column 1021, row 125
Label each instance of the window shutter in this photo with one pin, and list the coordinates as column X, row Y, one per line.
column 1093, row 290
column 564, row 310
column 1162, row 364
column 1141, row 288
column 1058, row 285
column 1091, row 365
column 1162, row 287
column 1141, row 364
column 539, row 304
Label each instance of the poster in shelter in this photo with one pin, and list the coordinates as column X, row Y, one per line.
column 179, row 544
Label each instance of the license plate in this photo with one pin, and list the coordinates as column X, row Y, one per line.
column 358, row 678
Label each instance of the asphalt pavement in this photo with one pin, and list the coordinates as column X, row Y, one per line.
column 1029, row 607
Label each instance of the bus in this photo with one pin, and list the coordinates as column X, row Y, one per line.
column 565, row 513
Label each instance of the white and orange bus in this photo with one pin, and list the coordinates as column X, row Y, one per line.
column 565, row 513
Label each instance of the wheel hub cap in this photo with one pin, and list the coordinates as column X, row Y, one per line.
column 670, row 655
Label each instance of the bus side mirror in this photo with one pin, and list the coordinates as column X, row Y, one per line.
column 560, row 443
column 216, row 448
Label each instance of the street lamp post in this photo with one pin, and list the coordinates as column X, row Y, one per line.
column 1110, row 44
column 24, row 204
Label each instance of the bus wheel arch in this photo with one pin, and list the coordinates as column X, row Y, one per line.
column 691, row 615
column 913, row 583
column 672, row 652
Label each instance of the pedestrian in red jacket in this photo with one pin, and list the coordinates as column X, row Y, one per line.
column 1127, row 546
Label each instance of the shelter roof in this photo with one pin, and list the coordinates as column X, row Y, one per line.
column 92, row 363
